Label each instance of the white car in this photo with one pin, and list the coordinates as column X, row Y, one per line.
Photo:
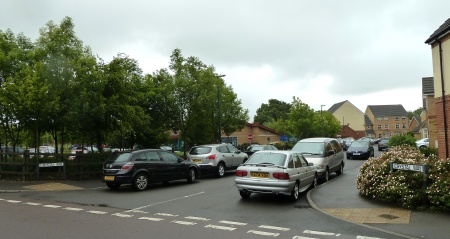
column 276, row 172
column 423, row 143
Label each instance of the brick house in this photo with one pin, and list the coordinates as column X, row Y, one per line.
column 351, row 118
column 440, row 51
column 260, row 134
column 388, row 120
column 428, row 116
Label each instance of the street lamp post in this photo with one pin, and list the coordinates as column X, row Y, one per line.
column 218, row 110
column 323, row 126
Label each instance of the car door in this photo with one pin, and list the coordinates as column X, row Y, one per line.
column 236, row 157
column 309, row 170
column 300, row 170
column 156, row 168
column 174, row 166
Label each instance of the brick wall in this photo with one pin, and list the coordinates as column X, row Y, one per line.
column 440, row 125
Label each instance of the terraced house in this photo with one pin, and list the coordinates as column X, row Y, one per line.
column 388, row 120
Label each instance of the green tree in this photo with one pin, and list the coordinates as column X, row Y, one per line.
column 325, row 124
column 301, row 119
column 272, row 111
column 233, row 116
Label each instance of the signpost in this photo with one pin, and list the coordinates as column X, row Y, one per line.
column 249, row 137
column 409, row 167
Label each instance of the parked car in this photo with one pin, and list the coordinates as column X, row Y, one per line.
column 10, row 151
column 325, row 153
column 347, row 142
column 360, row 149
column 216, row 158
column 76, row 150
column 276, row 172
column 257, row 147
column 167, row 148
column 423, row 143
column 47, row 149
column 383, row 144
column 367, row 139
column 141, row 167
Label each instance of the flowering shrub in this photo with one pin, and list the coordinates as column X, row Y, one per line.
column 410, row 189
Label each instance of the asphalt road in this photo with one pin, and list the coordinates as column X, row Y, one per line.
column 209, row 208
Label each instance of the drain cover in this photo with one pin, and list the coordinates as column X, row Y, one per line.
column 388, row 216
column 302, row 206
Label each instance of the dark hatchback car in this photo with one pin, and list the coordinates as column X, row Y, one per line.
column 141, row 167
column 255, row 148
column 360, row 149
column 383, row 144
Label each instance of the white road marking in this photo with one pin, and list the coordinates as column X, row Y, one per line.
column 166, row 214
column 52, row 206
column 171, row 200
column 221, row 227
column 73, row 209
column 319, row 233
column 97, row 212
column 363, row 237
column 234, row 223
column 1, row 199
column 275, row 228
column 33, row 203
column 264, row 233
column 122, row 215
column 151, row 219
column 300, row 237
column 197, row 218
column 13, row 201
column 184, row 223
column 139, row 211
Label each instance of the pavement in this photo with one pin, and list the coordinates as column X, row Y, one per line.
column 338, row 198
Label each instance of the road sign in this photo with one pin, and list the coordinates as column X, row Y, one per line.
column 249, row 137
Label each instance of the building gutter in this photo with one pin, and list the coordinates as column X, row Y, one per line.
column 443, row 97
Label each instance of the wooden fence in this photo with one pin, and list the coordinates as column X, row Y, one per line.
column 42, row 166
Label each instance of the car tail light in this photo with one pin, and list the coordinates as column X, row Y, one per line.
column 241, row 173
column 212, row 156
column 127, row 166
column 282, row 176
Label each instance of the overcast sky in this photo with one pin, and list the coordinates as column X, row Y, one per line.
column 322, row 51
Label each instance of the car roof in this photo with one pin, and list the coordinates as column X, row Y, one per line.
column 317, row 139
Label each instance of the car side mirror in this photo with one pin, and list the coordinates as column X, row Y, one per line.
column 310, row 164
column 331, row 152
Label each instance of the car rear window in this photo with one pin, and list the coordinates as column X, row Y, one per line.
column 200, row 150
column 275, row 158
column 119, row 158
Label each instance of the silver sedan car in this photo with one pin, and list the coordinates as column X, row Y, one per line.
column 276, row 172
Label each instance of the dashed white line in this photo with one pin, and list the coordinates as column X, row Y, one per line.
column 234, row 223
column 272, row 234
column 33, row 204
column 73, row 209
column 97, row 212
column 151, row 219
column 363, row 237
column 274, row 228
column 319, row 233
column 13, row 201
column 52, row 206
column 184, row 223
column 197, row 218
column 166, row 214
column 221, row 227
column 122, row 215
column 300, row 237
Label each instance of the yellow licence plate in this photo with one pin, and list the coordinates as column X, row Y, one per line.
column 197, row 160
column 109, row 178
column 259, row 175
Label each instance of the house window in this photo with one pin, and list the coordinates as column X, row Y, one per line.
column 379, row 118
column 397, row 118
column 403, row 117
column 425, row 133
column 386, row 126
column 404, row 126
column 386, row 118
column 397, row 126
column 379, row 136
column 368, row 126
column 379, row 126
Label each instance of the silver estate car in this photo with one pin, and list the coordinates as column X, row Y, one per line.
column 216, row 158
column 276, row 172
column 325, row 153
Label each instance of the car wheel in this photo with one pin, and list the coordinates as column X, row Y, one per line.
column 191, row 176
column 140, row 182
column 113, row 185
column 245, row 194
column 341, row 170
column 220, row 170
column 315, row 182
column 327, row 176
column 295, row 192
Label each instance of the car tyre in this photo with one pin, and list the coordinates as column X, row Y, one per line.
column 341, row 170
column 245, row 194
column 191, row 176
column 113, row 185
column 220, row 170
column 327, row 176
column 140, row 182
column 315, row 181
column 295, row 192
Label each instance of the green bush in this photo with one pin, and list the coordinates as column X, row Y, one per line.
column 410, row 189
column 402, row 139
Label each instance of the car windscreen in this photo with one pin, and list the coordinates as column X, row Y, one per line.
column 119, row 158
column 311, row 148
column 200, row 150
column 255, row 148
column 267, row 158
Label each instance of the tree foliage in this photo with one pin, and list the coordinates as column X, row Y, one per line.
column 272, row 112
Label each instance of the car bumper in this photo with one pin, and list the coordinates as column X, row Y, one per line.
column 123, row 179
column 207, row 168
column 358, row 156
column 267, row 187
